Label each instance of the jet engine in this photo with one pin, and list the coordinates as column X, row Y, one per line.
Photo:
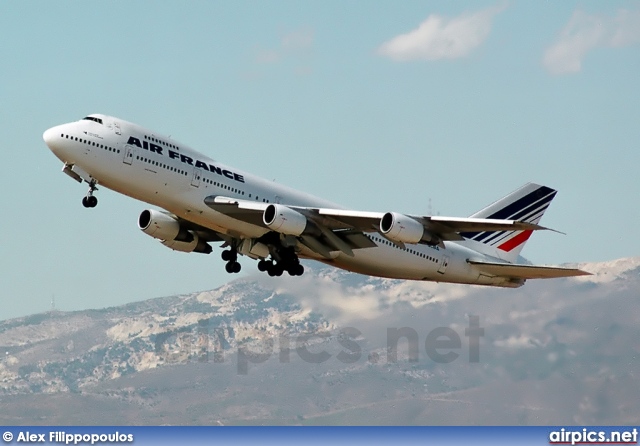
column 168, row 230
column 196, row 245
column 404, row 229
column 284, row 220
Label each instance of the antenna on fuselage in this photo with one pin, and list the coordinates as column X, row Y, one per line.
column 430, row 209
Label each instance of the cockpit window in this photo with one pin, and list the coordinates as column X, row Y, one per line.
column 91, row 118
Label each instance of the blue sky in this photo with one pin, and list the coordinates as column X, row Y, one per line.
column 376, row 105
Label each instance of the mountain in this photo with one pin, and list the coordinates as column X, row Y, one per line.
column 332, row 347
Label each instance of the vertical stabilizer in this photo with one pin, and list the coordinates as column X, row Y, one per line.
column 528, row 204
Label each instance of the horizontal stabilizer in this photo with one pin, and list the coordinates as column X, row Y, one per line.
column 526, row 271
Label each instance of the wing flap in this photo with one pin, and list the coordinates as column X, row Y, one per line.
column 356, row 239
column 361, row 220
column 316, row 246
column 526, row 271
column 455, row 224
column 243, row 210
column 225, row 202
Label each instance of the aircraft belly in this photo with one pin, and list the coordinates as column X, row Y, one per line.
column 392, row 262
column 383, row 262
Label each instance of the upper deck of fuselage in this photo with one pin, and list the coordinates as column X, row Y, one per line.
column 143, row 140
column 127, row 129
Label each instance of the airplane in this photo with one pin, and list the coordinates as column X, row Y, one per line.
column 204, row 201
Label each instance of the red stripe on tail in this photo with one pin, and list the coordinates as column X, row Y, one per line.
column 516, row 241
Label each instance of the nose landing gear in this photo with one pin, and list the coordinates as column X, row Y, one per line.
column 90, row 201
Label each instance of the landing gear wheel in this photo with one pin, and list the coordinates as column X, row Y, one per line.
column 296, row 270
column 274, row 269
column 263, row 265
column 228, row 256
column 90, row 201
column 233, row 267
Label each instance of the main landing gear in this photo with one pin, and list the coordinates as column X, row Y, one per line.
column 90, row 201
column 287, row 260
column 231, row 257
column 281, row 259
column 277, row 268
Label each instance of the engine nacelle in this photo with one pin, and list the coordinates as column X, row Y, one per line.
column 284, row 220
column 163, row 227
column 196, row 245
column 404, row 229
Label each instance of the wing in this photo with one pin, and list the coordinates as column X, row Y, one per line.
column 446, row 228
column 526, row 271
column 344, row 230
column 323, row 239
column 204, row 234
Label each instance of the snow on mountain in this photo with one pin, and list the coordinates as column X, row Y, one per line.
column 325, row 348
column 604, row 272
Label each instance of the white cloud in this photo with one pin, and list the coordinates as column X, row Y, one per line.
column 298, row 40
column 266, row 56
column 585, row 32
column 442, row 38
column 294, row 44
column 362, row 299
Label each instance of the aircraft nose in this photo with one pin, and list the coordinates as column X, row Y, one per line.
column 54, row 140
column 49, row 136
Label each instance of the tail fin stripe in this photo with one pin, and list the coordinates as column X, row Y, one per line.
column 532, row 218
column 495, row 237
column 505, row 238
column 538, row 207
column 536, row 215
column 515, row 241
column 506, row 212
column 499, row 237
column 520, row 215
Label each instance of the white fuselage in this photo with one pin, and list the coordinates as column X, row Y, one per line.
column 139, row 163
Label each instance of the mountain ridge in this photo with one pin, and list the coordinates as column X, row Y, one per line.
column 263, row 340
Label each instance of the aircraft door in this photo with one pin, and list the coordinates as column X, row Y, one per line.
column 444, row 262
column 197, row 175
column 129, row 154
